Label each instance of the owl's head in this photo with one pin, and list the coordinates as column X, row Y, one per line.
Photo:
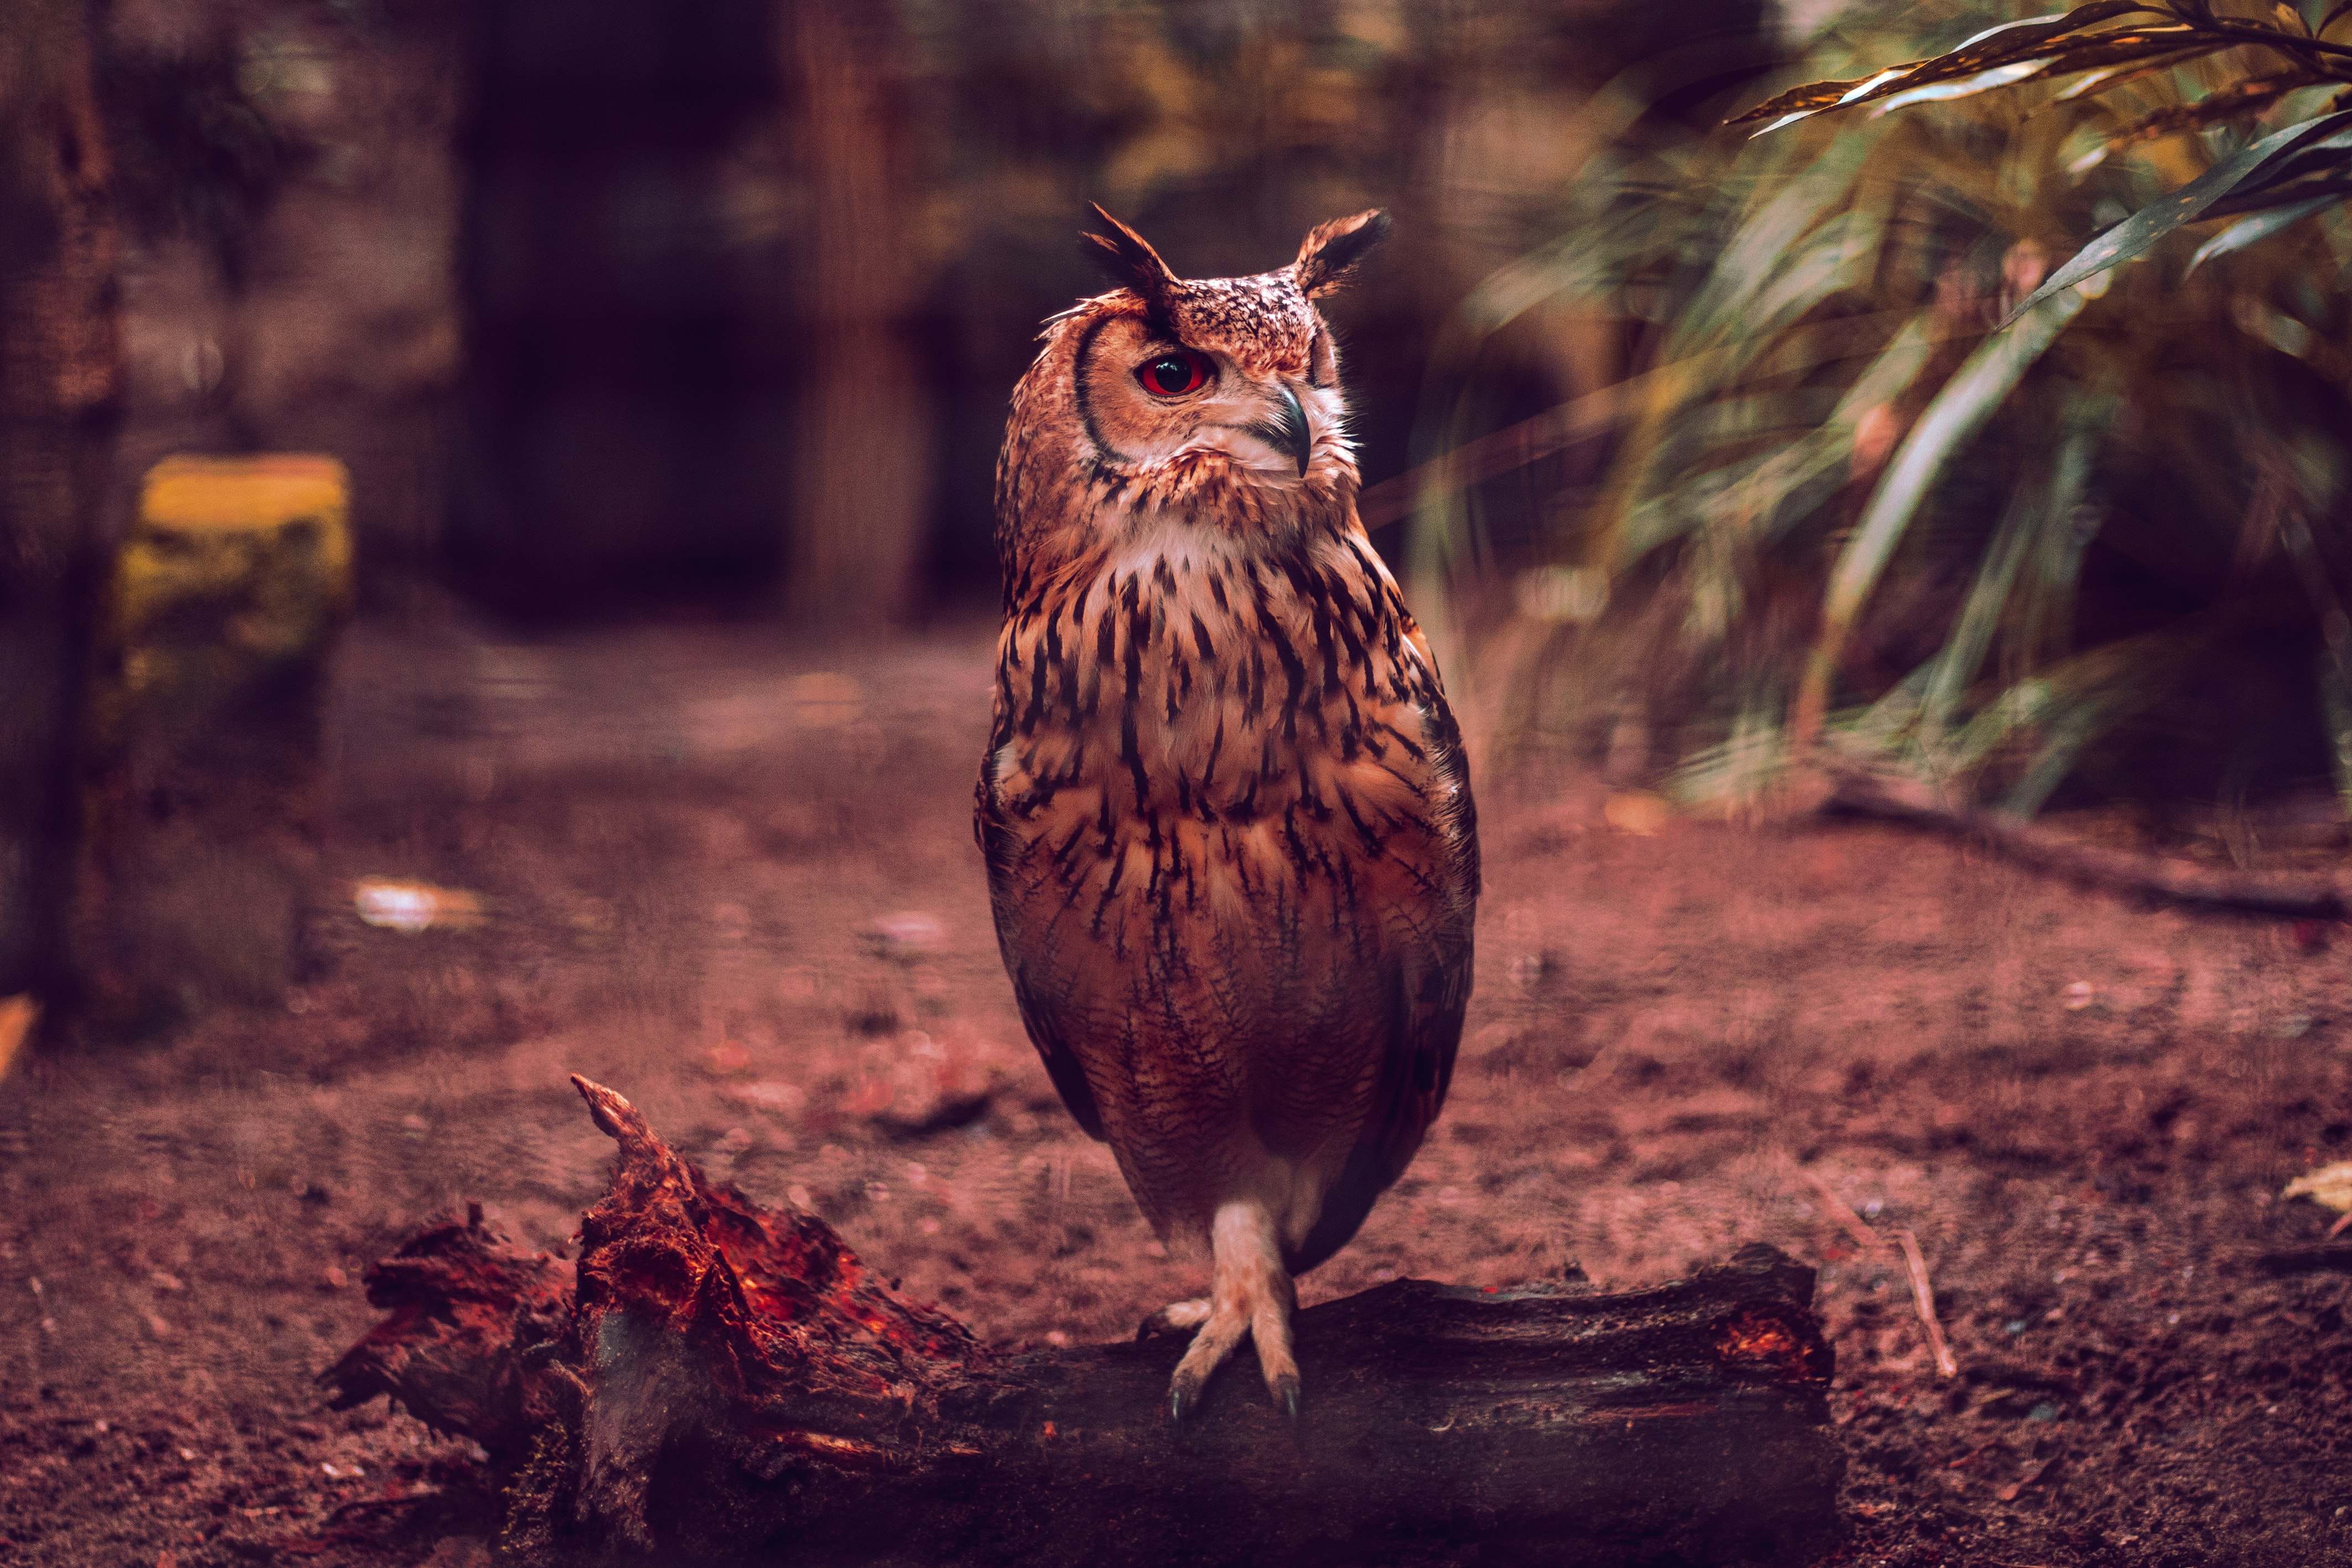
column 1166, row 384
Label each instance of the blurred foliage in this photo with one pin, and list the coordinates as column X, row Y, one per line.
column 2102, row 545
column 196, row 151
column 1257, row 113
column 1223, row 130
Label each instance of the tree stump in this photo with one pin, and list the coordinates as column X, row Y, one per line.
column 719, row 1382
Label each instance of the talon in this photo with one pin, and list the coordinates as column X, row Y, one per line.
column 1285, row 1398
column 1181, row 1400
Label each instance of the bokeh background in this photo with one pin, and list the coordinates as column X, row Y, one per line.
column 666, row 348
column 618, row 306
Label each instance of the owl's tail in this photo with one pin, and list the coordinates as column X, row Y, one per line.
column 1250, row 1292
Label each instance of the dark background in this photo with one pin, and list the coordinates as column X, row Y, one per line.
column 567, row 284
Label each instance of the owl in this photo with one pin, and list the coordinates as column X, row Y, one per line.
column 1226, row 817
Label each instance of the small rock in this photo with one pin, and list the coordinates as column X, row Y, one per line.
column 726, row 1058
column 903, row 934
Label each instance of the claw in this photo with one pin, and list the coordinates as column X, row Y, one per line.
column 1285, row 1398
column 1182, row 1397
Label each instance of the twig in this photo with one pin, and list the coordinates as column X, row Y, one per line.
column 2323, row 1259
column 1843, row 1214
column 1923, row 1296
column 2316, row 897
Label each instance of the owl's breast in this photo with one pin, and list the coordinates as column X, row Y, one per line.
column 1203, row 753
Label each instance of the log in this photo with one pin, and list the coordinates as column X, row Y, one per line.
column 2302, row 897
column 2323, row 1258
column 715, row 1382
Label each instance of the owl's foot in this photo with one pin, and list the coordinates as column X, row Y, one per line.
column 1176, row 1317
column 1251, row 1295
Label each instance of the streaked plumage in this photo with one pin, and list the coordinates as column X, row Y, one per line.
column 1226, row 817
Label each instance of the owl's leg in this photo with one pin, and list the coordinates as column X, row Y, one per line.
column 1176, row 1317
column 1250, row 1293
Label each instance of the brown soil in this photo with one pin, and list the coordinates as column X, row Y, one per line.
column 733, row 877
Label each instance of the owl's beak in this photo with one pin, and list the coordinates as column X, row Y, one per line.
column 1286, row 430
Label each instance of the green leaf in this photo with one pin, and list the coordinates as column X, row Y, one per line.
column 2286, row 191
column 2136, row 233
column 1755, row 258
column 1994, row 47
column 1966, row 87
column 1949, row 673
column 1779, row 487
column 2075, row 727
column 2121, row 72
column 2238, row 98
column 2336, row 708
column 1956, row 413
column 2259, row 226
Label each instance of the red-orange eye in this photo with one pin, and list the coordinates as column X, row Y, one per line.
column 1173, row 375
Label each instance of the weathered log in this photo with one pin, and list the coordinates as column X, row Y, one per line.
column 2320, row 1258
column 2304, row 896
column 729, row 1383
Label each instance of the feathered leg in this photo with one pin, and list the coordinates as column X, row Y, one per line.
column 1176, row 1317
column 1250, row 1293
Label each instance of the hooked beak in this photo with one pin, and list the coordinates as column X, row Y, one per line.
column 1286, row 430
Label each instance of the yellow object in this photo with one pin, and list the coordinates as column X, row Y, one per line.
column 235, row 563
column 2329, row 1184
column 1636, row 812
column 18, row 1014
column 201, row 493
column 202, row 774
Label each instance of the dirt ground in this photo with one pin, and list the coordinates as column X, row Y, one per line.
column 733, row 877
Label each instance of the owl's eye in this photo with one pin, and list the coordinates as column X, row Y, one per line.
column 1173, row 375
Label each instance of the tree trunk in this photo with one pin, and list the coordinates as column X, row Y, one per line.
column 60, row 380
column 863, row 457
column 716, row 1383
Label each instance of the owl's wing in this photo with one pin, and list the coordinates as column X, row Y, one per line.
column 1060, row 1062
column 999, row 848
column 1430, row 992
column 1426, row 1005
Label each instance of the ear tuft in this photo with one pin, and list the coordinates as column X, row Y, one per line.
column 1129, row 260
column 1327, row 260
